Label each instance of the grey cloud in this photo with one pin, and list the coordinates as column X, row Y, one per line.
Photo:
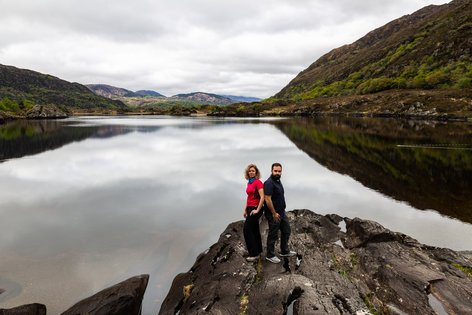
column 185, row 45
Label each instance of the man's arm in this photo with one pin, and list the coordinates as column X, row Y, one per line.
column 270, row 205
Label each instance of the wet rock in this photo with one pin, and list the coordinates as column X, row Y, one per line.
column 124, row 298
column 28, row 309
column 376, row 269
column 45, row 111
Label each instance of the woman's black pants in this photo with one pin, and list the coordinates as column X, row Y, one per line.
column 252, row 234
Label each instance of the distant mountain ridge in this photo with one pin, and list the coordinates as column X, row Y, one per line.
column 195, row 98
column 26, row 86
column 149, row 93
column 428, row 49
column 204, row 98
column 110, row 91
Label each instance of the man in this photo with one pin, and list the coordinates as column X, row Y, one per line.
column 275, row 214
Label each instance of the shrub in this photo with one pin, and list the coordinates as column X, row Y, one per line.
column 8, row 105
column 464, row 83
column 436, row 78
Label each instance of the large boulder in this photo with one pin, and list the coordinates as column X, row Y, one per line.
column 343, row 266
column 124, row 298
column 28, row 309
column 44, row 112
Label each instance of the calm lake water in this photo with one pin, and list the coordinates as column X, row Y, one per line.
column 89, row 201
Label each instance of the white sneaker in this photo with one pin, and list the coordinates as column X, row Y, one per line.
column 252, row 258
column 274, row 260
column 289, row 254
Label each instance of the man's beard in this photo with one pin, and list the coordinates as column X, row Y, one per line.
column 276, row 177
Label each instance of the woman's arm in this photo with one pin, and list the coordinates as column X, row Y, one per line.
column 261, row 202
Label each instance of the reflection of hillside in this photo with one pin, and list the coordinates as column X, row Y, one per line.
column 368, row 151
column 22, row 138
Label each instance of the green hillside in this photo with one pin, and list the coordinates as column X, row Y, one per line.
column 429, row 49
column 20, row 89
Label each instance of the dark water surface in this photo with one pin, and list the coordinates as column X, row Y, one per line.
column 87, row 202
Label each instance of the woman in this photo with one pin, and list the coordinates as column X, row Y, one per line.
column 252, row 212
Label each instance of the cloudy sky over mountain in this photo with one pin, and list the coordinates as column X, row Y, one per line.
column 242, row 47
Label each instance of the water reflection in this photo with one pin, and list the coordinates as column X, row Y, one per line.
column 147, row 195
column 22, row 138
column 427, row 164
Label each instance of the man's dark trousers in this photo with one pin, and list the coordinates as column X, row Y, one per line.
column 284, row 226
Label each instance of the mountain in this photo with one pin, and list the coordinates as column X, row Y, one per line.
column 110, row 91
column 154, row 98
column 429, row 49
column 242, row 99
column 149, row 93
column 204, row 98
column 24, row 87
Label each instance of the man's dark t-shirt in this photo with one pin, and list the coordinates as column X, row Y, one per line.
column 274, row 188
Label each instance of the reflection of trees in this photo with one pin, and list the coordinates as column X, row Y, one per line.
column 368, row 151
column 22, row 138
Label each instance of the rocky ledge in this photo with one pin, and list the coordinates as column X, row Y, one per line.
column 36, row 112
column 343, row 266
column 45, row 111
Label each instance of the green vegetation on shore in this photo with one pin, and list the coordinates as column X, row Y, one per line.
column 423, row 75
column 12, row 106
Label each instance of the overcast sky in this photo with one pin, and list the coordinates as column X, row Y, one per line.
column 243, row 47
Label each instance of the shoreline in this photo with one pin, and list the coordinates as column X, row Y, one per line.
column 432, row 105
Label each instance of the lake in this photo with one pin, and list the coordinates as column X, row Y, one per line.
column 89, row 201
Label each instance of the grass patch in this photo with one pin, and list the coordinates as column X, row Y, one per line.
column 367, row 301
column 243, row 304
column 466, row 270
column 259, row 274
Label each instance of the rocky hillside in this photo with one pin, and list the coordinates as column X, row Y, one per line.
column 204, row 98
column 429, row 49
column 20, row 89
column 343, row 266
column 110, row 91
column 148, row 93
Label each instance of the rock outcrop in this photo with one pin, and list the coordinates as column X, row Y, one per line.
column 343, row 266
column 124, row 298
column 29, row 309
column 44, row 112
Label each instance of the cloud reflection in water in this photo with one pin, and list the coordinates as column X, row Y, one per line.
column 149, row 200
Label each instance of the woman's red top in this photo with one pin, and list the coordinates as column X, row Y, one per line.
column 252, row 191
